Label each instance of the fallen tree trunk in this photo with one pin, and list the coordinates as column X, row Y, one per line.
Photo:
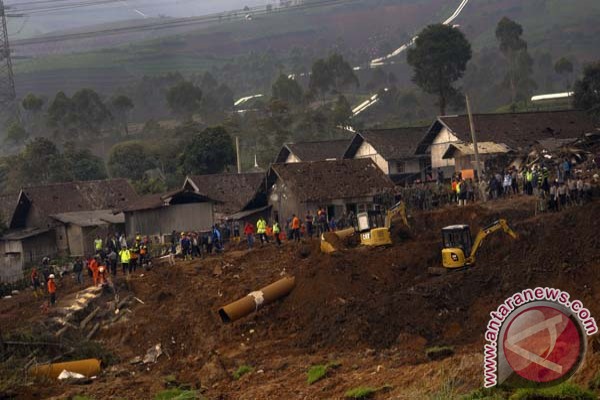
column 255, row 300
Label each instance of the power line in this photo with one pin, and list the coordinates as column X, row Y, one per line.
column 181, row 22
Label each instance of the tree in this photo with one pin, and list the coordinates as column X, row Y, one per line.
column 32, row 103
column 89, row 111
column 128, row 160
column 439, row 58
column 184, row 99
column 60, row 112
column 587, row 90
column 82, row 165
column 288, row 90
column 514, row 48
column 209, row 152
column 32, row 106
column 564, row 67
column 331, row 74
column 41, row 162
column 16, row 134
column 122, row 105
column 342, row 111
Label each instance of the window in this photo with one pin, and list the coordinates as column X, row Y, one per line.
column 400, row 167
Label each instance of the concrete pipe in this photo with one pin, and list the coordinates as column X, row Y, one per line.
column 88, row 368
column 255, row 300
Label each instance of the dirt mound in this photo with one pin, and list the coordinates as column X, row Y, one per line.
column 371, row 296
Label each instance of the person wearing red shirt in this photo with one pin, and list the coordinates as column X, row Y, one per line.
column 249, row 232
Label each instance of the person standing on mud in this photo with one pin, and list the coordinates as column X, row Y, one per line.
column 261, row 230
column 249, row 232
column 296, row 227
column 276, row 232
column 35, row 282
column 308, row 222
column 112, row 261
column 51, row 285
column 125, row 260
column 94, row 268
column 78, row 270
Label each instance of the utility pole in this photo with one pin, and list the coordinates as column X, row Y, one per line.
column 8, row 107
column 237, row 154
column 475, row 148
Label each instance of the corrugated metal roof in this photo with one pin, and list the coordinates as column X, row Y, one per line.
column 90, row 218
column 19, row 234
column 483, row 148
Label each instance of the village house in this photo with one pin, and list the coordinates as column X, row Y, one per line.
column 340, row 187
column 77, row 230
column 517, row 132
column 159, row 215
column 394, row 151
column 45, row 221
column 491, row 155
column 234, row 195
column 312, row 151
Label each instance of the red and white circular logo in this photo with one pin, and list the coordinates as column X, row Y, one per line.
column 542, row 344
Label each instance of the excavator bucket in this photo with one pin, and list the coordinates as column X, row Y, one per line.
column 332, row 241
column 327, row 247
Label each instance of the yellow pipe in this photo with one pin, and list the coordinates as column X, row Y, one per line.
column 88, row 367
column 253, row 301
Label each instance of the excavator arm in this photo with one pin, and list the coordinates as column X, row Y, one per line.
column 496, row 226
column 398, row 208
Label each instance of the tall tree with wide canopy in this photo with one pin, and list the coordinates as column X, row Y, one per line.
column 520, row 64
column 439, row 58
column 209, row 152
column 587, row 90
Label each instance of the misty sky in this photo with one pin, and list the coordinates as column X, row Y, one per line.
column 113, row 12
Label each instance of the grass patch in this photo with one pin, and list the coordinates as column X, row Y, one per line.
column 177, row 394
column 595, row 382
column 364, row 392
column 79, row 397
column 485, row 394
column 318, row 372
column 439, row 352
column 241, row 371
column 564, row 391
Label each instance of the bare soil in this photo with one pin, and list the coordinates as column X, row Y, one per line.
column 374, row 310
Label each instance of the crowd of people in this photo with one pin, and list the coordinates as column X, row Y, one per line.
column 555, row 189
column 100, row 265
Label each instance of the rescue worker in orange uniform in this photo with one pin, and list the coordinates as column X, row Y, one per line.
column 51, row 289
column 94, row 268
column 296, row 228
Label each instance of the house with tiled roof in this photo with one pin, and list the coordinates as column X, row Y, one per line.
column 518, row 132
column 338, row 186
column 49, row 219
column 324, row 150
column 394, row 151
column 231, row 192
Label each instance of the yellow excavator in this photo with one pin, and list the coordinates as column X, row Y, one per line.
column 372, row 226
column 459, row 249
column 374, row 229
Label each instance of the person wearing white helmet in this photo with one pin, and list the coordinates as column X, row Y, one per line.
column 51, row 285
